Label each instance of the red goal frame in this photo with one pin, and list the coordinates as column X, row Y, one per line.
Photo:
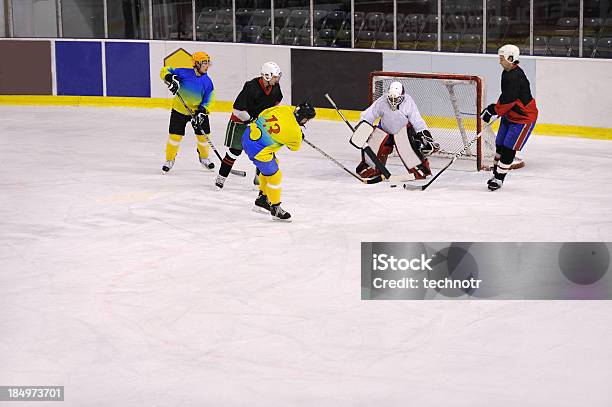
column 479, row 96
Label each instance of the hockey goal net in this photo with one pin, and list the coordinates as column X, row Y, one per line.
column 450, row 105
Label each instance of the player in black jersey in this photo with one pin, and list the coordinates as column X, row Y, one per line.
column 257, row 95
column 518, row 112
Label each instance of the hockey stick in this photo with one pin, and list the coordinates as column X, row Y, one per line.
column 367, row 149
column 208, row 140
column 458, row 154
column 373, row 180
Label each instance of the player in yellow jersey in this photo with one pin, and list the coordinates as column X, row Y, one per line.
column 197, row 90
column 275, row 127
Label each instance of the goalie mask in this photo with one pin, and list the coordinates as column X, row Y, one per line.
column 270, row 70
column 395, row 95
column 304, row 112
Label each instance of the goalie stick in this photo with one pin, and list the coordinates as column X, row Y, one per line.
column 373, row 180
column 208, row 140
column 367, row 149
column 458, row 154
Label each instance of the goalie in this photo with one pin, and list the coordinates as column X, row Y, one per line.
column 401, row 126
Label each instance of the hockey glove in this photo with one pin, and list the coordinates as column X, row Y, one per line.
column 488, row 113
column 200, row 120
column 173, row 83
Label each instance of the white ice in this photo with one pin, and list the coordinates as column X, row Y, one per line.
column 135, row 289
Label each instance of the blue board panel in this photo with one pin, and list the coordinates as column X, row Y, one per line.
column 127, row 69
column 79, row 68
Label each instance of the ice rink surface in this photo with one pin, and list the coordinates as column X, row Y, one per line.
column 135, row 289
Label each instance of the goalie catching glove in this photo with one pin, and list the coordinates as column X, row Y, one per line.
column 200, row 119
column 427, row 145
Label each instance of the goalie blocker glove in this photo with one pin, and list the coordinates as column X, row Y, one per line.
column 201, row 120
column 488, row 112
column 173, row 83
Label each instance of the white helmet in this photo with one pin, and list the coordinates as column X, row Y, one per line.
column 270, row 69
column 395, row 95
column 509, row 52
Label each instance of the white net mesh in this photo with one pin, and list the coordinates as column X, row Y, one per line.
column 450, row 105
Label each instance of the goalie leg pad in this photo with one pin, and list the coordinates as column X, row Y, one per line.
column 408, row 149
column 405, row 147
column 378, row 142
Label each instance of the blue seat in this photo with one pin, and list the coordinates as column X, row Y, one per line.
column 470, row 43
column 496, row 32
column 365, row 39
column 374, row 21
column 427, row 42
column 560, row 46
column 326, row 37
column 303, row 37
column 387, row 24
column 299, row 19
column 588, row 46
column 343, row 39
column 250, row 33
column 265, row 35
column 260, row 18
column 384, row 40
column 456, row 24
column 431, row 24
column 243, row 16
column 281, row 15
column 566, row 27
column 413, row 23
column 224, row 17
column 335, row 19
column 474, row 25
column 221, row 33
column 540, row 45
column 406, row 40
column 450, row 42
column 319, row 18
column 286, row 36
column 604, row 48
column 358, row 19
column 207, row 16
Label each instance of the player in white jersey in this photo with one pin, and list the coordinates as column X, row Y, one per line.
column 402, row 126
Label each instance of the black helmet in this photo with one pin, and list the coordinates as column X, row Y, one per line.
column 304, row 111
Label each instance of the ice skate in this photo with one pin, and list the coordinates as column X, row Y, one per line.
column 206, row 163
column 495, row 183
column 219, row 182
column 167, row 166
column 262, row 205
column 279, row 213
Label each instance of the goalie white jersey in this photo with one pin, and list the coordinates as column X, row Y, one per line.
column 392, row 121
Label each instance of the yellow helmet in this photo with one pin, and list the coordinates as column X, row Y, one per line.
column 198, row 57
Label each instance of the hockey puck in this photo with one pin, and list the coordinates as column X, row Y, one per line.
column 393, row 185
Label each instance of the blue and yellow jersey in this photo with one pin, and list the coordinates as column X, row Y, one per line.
column 196, row 90
column 275, row 127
